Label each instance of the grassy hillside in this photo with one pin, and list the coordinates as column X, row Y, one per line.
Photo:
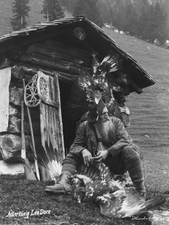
column 150, row 110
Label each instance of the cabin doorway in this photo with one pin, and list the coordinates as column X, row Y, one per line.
column 72, row 109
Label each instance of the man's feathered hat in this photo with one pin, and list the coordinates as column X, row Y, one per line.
column 97, row 87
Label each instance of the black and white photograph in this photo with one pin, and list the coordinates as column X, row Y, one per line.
column 84, row 112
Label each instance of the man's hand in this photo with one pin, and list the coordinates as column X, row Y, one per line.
column 87, row 157
column 101, row 156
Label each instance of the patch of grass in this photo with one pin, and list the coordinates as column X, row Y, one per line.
column 28, row 198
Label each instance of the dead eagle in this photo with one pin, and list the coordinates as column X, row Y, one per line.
column 114, row 196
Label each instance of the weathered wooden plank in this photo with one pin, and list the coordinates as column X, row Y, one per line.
column 56, row 53
column 51, row 63
column 51, row 127
column 47, row 133
column 44, row 174
column 70, row 50
column 28, row 40
column 67, row 76
column 33, row 69
column 60, row 124
column 45, row 89
column 5, row 77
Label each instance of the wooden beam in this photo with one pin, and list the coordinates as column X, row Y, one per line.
column 70, row 50
column 31, row 70
column 59, row 54
column 53, row 64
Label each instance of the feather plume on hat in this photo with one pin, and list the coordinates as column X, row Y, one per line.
column 109, row 64
column 99, row 81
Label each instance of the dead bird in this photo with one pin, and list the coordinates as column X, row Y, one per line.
column 113, row 193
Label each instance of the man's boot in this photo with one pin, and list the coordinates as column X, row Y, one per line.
column 134, row 168
column 63, row 186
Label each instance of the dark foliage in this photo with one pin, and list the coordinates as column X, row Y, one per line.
column 69, row 5
column 20, row 11
column 137, row 18
column 52, row 10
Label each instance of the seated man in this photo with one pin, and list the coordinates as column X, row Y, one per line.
column 119, row 154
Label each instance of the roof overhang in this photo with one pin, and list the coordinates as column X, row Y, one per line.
column 96, row 41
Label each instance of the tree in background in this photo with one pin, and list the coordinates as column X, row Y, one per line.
column 69, row 4
column 88, row 8
column 121, row 14
column 142, row 19
column 20, row 11
column 131, row 21
column 161, row 23
column 106, row 11
column 52, row 10
column 141, row 24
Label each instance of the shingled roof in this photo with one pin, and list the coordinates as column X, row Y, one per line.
column 96, row 40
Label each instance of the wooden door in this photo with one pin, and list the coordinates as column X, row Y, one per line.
column 50, row 115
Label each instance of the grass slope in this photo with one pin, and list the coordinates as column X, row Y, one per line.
column 150, row 110
column 28, row 199
column 149, row 129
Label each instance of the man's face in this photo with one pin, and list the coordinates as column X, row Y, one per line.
column 104, row 116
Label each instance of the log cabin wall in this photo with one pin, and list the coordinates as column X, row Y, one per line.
column 50, row 57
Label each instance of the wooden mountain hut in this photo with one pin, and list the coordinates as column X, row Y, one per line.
column 49, row 58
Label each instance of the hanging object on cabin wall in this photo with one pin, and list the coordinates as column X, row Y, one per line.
column 38, row 89
column 46, row 89
column 31, row 96
column 5, row 77
column 51, row 126
column 43, row 86
column 80, row 33
column 51, row 118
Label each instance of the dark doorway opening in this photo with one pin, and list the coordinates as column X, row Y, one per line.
column 69, row 126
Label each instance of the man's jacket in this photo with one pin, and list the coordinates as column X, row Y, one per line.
column 86, row 138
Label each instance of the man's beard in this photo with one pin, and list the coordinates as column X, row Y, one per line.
column 104, row 129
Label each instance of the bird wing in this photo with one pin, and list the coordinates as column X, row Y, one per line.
column 127, row 203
